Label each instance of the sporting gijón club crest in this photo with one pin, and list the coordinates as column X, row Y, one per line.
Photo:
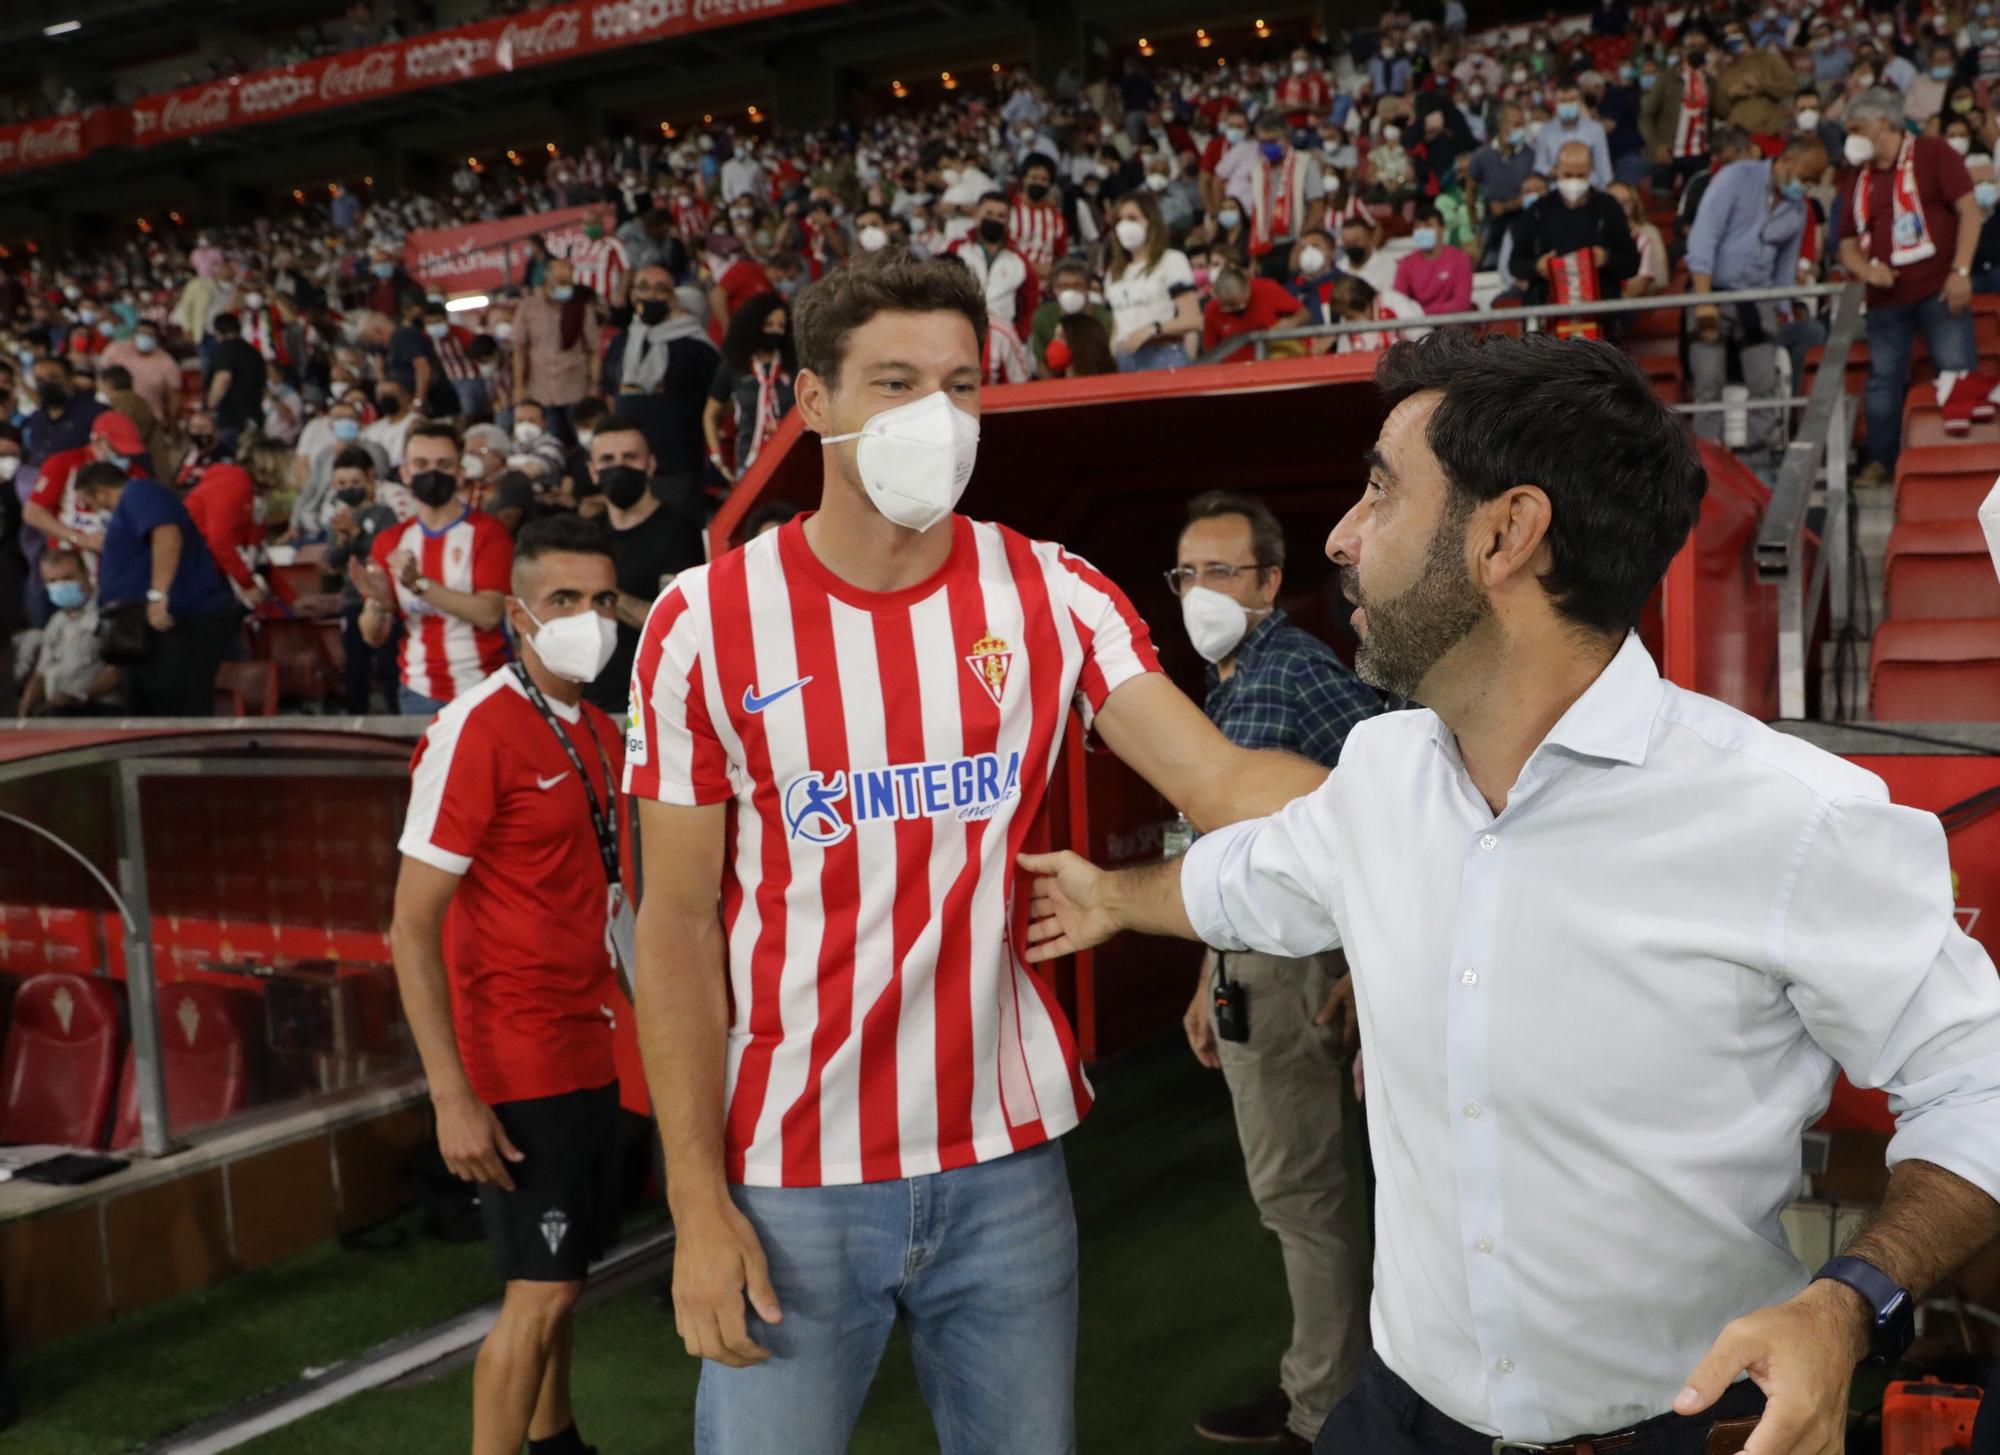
column 990, row 659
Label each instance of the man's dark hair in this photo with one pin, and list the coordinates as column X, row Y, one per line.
column 227, row 325
column 563, row 534
column 435, row 310
column 1038, row 159
column 354, row 457
column 115, row 376
column 1579, row 420
column 1428, row 212
column 1267, row 537
column 995, row 196
column 431, row 429
column 618, row 424
column 894, row 280
column 59, row 361
column 101, row 472
column 1729, row 138
column 586, row 412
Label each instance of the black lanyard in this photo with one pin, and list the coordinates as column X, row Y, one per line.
column 606, row 828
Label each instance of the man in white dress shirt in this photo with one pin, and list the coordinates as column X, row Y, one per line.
column 1610, row 941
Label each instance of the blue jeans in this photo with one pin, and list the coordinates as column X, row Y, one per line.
column 1168, row 353
column 979, row 1261
column 1892, row 335
column 473, row 397
column 412, row 704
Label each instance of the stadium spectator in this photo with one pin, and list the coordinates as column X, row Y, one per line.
column 63, row 416
column 512, row 502
column 1726, row 144
column 556, row 333
column 1353, row 300
column 1675, row 115
column 660, row 368
column 1150, row 288
column 1243, row 304
column 1653, row 274
column 354, row 519
column 203, row 448
column 1304, row 95
column 499, row 933
column 1036, row 226
column 69, row 677
column 1270, row 684
column 752, row 388
column 1747, row 235
column 654, row 525
column 1756, row 87
column 412, row 365
column 1069, row 293
column 1572, row 127
column 601, row 262
column 1286, row 188
column 443, row 574
column 1361, row 258
column 1437, row 276
column 534, row 449
column 394, row 419
column 1908, row 224
column 156, row 574
column 1313, row 271
column 227, row 507
column 1010, row 281
column 1986, row 191
column 155, row 374
column 1079, row 348
column 233, row 387
column 1579, row 219
column 1498, row 169
column 320, row 446
column 158, row 443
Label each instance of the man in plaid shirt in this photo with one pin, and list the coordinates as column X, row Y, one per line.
column 1272, row 684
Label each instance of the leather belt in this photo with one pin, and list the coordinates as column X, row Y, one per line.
column 1725, row 1437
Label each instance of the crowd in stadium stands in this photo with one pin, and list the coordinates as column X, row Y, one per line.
column 281, row 380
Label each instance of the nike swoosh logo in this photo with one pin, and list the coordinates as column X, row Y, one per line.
column 753, row 703
column 545, row 784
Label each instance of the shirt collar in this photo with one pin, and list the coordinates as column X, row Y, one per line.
column 1254, row 641
column 1611, row 721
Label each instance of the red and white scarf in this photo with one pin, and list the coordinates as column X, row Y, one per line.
column 1909, row 235
column 1573, row 279
column 1277, row 194
column 1691, row 134
column 770, row 374
column 1376, row 341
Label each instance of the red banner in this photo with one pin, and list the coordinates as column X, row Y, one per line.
column 58, row 139
column 467, row 53
column 476, row 258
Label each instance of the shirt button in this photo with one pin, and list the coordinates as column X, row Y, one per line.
column 1487, row 841
column 1506, row 1366
column 1484, row 1244
column 1470, row 977
column 1472, row 1111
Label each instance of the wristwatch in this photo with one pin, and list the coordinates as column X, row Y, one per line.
column 152, row 596
column 1895, row 1324
column 422, row 584
column 1963, row 272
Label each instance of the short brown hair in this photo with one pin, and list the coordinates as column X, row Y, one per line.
column 894, row 280
column 1267, row 537
column 432, row 429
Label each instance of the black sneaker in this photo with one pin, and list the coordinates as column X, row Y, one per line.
column 1263, row 1421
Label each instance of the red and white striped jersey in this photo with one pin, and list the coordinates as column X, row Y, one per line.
column 1038, row 232
column 884, row 756
column 444, row 655
column 601, row 265
column 1007, row 360
column 451, row 354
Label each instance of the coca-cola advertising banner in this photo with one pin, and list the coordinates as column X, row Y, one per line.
column 487, row 48
column 478, row 259
column 59, row 139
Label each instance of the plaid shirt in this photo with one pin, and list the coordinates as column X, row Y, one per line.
column 1289, row 691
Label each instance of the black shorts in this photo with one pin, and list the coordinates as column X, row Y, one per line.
column 563, row 1212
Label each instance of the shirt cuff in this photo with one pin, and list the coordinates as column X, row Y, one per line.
column 425, row 852
column 1961, row 1137
column 1202, row 868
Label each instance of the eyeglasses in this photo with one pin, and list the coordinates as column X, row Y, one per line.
column 1215, row 575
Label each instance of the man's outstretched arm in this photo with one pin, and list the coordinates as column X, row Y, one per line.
column 1077, row 905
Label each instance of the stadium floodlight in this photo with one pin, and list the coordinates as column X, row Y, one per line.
column 62, row 27
column 467, row 303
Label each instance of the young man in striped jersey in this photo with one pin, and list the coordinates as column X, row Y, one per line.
column 840, row 734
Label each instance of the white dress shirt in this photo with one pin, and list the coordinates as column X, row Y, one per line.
column 1597, row 1024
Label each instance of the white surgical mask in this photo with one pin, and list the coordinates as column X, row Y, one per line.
column 1157, row 181
column 1300, row 66
column 473, row 465
column 1228, row 217
column 526, row 433
column 575, row 648
column 1858, row 150
column 253, row 300
column 8, row 465
column 915, row 459
column 1072, row 300
column 503, row 331
column 873, row 239
column 1808, row 121
column 1573, row 188
column 1215, row 623
column 1392, row 133
column 1959, row 144
column 1131, row 234
column 1311, row 261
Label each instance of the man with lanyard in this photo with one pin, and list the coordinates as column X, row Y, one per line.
column 839, row 735
column 1286, row 188
column 502, row 937
column 1675, row 114
column 443, row 572
column 1274, row 685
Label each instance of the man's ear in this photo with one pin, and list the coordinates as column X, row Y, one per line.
column 814, row 401
column 1515, row 531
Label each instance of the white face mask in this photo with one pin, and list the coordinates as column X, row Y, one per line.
column 575, row 648
column 1959, row 144
column 1392, row 133
column 1157, row 181
column 1808, row 121
column 1215, row 623
column 1072, row 300
column 1573, row 189
column 253, row 300
column 915, row 459
column 1131, row 234
column 1858, row 150
column 1311, row 261
column 8, row 465
column 873, row 239
column 526, row 433
column 474, row 466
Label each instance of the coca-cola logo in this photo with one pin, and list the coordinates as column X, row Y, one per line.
column 556, row 34
column 208, row 108
column 631, row 19
column 446, row 58
column 374, row 72
column 713, row 12
column 59, row 141
column 275, row 92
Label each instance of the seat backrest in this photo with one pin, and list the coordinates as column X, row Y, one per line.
column 204, row 1058
column 1936, row 692
column 60, row 1065
column 255, row 683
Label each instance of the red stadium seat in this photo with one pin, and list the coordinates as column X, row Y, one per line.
column 205, row 1057
column 1955, row 495
column 60, row 1065
column 1935, row 671
column 289, row 583
column 1939, row 570
column 254, row 684
column 307, row 670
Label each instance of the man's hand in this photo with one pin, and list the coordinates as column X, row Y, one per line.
column 88, row 540
column 1880, row 274
column 1339, row 1011
column 403, row 566
column 1067, row 913
column 1598, row 256
column 1802, row 1355
column 718, row 1264
column 1708, row 322
column 158, row 617
column 1957, row 293
column 371, row 581
column 1198, row 1023
column 1542, row 263
column 474, row 1144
